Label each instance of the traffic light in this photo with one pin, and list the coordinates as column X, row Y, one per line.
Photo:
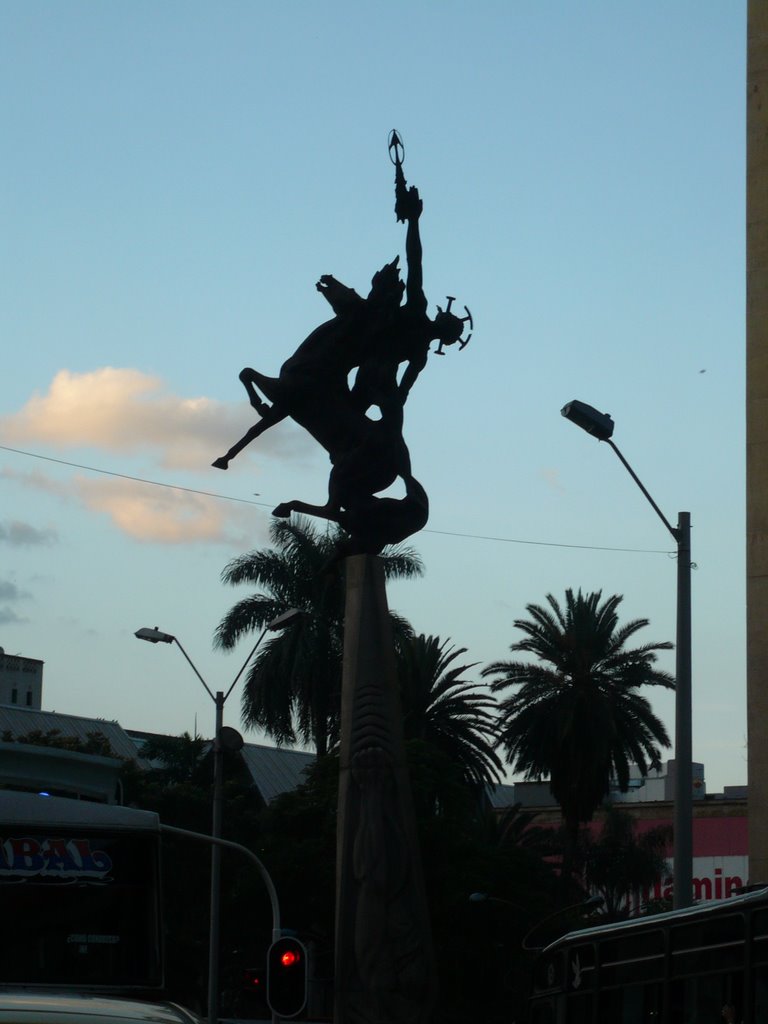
column 287, row 977
column 253, row 980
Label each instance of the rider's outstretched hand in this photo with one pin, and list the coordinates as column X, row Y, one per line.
column 408, row 204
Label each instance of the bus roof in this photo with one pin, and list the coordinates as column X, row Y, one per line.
column 660, row 920
column 45, row 811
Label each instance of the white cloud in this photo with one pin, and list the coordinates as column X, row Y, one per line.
column 127, row 411
column 167, row 516
column 157, row 514
column 124, row 411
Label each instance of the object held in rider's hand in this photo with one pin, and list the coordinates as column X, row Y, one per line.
column 396, row 144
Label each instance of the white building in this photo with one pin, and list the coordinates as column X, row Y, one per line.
column 21, row 681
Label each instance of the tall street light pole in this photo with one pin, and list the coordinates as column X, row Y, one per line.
column 600, row 425
column 227, row 739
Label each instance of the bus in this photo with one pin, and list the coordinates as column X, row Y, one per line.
column 80, row 896
column 704, row 965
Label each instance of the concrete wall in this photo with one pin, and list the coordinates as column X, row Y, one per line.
column 757, row 435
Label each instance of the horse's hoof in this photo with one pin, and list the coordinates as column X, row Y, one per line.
column 222, row 463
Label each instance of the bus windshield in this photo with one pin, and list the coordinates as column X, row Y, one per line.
column 79, row 891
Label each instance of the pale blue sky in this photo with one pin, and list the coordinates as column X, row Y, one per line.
column 175, row 178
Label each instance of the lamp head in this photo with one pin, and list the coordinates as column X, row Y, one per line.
column 598, row 424
column 153, row 636
column 592, row 903
column 286, row 619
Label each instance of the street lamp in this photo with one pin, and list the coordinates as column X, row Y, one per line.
column 228, row 739
column 600, row 425
column 585, row 907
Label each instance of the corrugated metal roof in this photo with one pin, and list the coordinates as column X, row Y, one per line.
column 501, row 796
column 21, row 721
column 275, row 770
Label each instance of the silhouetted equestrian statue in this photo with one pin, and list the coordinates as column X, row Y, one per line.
column 373, row 336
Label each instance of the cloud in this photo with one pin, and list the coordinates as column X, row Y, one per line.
column 19, row 534
column 126, row 411
column 160, row 515
column 8, row 616
column 10, row 592
column 552, row 478
column 167, row 516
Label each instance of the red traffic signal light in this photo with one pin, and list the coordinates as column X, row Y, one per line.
column 287, row 977
column 253, row 979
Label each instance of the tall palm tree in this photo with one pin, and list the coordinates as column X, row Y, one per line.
column 576, row 715
column 445, row 710
column 293, row 687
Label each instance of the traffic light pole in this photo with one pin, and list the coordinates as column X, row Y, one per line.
column 213, row 935
column 217, row 843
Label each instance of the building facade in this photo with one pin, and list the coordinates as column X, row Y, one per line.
column 21, row 681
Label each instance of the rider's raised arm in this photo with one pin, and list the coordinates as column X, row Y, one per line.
column 408, row 207
column 414, row 283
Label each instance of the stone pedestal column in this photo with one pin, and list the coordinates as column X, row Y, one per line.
column 384, row 964
column 757, row 436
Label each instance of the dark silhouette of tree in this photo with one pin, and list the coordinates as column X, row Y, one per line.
column 293, row 687
column 619, row 864
column 517, row 828
column 177, row 759
column 576, row 715
column 446, row 711
column 95, row 743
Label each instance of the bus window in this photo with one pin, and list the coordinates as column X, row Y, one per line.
column 83, row 906
column 760, row 992
column 711, row 944
column 631, row 1004
column 542, row 1011
column 632, row 958
column 760, row 936
column 581, row 968
column 693, row 1000
column 580, row 1008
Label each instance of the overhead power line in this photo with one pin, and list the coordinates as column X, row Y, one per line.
column 265, row 504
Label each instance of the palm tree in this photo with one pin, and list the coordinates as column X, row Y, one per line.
column 576, row 715
column 446, row 711
column 293, row 687
column 619, row 864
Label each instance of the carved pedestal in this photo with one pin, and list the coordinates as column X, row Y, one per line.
column 384, row 963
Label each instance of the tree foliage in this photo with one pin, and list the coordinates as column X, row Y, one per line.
column 619, row 864
column 576, row 715
column 293, row 687
column 443, row 709
column 94, row 743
